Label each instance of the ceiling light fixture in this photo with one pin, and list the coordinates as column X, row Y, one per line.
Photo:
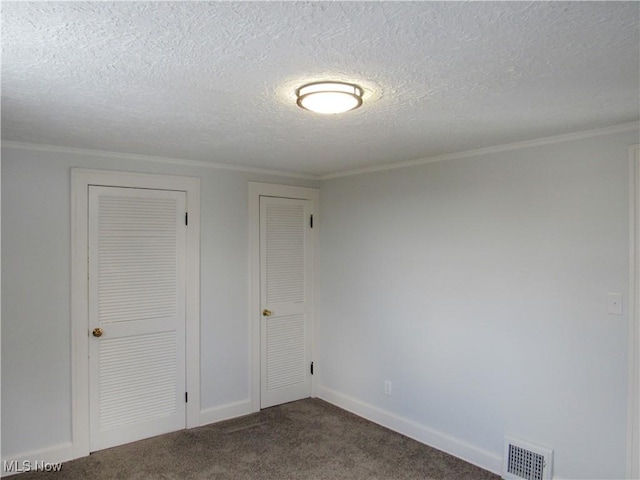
column 329, row 97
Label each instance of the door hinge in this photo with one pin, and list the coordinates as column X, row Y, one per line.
column 186, row 218
column 311, row 368
column 186, row 397
column 311, row 222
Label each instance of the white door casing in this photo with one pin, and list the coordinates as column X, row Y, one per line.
column 285, row 300
column 256, row 192
column 81, row 180
column 633, row 409
column 137, row 247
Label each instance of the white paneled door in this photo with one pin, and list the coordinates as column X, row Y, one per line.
column 137, row 247
column 285, row 297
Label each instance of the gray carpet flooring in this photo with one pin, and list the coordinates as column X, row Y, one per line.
column 308, row 439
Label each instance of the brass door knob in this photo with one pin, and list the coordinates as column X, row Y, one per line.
column 267, row 313
column 97, row 332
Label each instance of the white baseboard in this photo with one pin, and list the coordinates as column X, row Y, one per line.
column 225, row 412
column 58, row 453
column 421, row 433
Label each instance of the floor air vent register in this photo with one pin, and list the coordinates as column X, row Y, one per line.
column 523, row 460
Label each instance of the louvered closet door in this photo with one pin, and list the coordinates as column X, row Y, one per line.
column 285, row 284
column 137, row 299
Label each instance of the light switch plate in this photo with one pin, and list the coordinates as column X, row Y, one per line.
column 614, row 303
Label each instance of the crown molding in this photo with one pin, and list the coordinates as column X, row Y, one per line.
column 623, row 127
column 151, row 158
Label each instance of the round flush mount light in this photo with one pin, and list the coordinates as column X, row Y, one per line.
column 329, row 97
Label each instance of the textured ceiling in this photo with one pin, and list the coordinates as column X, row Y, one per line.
column 214, row 81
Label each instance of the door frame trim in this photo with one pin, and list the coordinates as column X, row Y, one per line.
column 81, row 179
column 633, row 382
column 257, row 190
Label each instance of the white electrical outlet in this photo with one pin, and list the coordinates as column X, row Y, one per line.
column 387, row 387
